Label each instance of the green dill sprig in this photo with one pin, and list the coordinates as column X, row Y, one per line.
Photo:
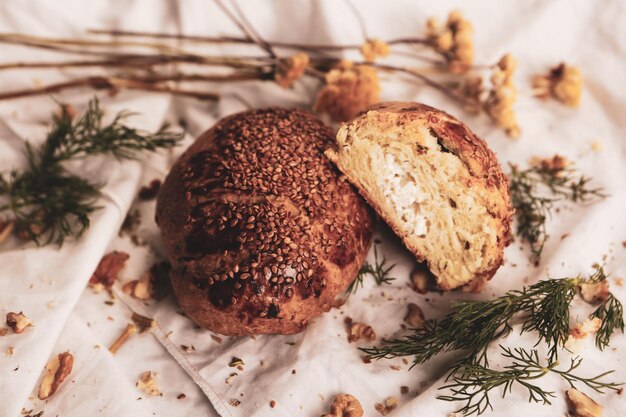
column 380, row 271
column 535, row 190
column 48, row 202
column 471, row 326
column 611, row 313
column 472, row 382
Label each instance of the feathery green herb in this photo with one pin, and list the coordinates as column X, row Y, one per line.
column 535, row 190
column 611, row 313
column 46, row 200
column 472, row 382
column 471, row 326
column 380, row 271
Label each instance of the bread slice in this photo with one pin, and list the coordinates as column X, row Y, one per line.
column 435, row 183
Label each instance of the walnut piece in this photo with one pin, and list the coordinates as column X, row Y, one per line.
column 581, row 405
column 582, row 329
column 55, row 372
column 595, row 293
column 414, row 316
column 387, row 407
column 345, row 405
column 148, row 383
column 108, row 269
column 423, row 280
column 361, row 331
column 18, row 322
column 141, row 288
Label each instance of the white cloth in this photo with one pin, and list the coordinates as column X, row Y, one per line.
column 48, row 283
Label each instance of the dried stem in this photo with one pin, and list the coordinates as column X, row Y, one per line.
column 109, row 83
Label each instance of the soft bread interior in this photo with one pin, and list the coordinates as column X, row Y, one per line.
column 426, row 194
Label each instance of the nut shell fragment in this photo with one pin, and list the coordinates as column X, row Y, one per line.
column 55, row 372
column 345, row 405
column 18, row 322
column 581, row 405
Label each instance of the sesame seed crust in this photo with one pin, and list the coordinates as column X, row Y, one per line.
column 262, row 230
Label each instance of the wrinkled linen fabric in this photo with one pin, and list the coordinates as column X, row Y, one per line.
column 299, row 374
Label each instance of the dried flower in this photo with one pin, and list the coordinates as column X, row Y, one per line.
column 374, row 48
column 454, row 41
column 564, row 82
column 472, row 90
column 502, row 96
column 289, row 70
column 349, row 89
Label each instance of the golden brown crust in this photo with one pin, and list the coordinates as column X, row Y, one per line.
column 455, row 137
column 261, row 230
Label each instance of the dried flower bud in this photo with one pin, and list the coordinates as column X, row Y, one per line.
column 148, row 383
column 563, row 82
column 361, row 331
column 18, row 322
column 555, row 164
column 374, row 48
column 55, row 372
column 472, row 90
column 581, row 405
column 348, row 90
column 502, row 96
column 454, row 41
column 414, row 316
column 289, row 70
column 345, row 405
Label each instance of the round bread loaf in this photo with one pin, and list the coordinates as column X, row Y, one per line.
column 438, row 186
column 262, row 231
